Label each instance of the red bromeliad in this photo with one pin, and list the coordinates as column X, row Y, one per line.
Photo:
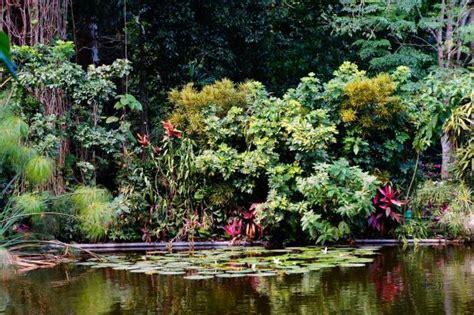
column 144, row 140
column 170, row 130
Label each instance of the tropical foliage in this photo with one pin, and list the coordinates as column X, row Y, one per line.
column 183, row 142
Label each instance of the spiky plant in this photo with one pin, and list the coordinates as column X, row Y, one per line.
column 94, row 210
column 30, row 203
column 39, row 169
column 95, row 219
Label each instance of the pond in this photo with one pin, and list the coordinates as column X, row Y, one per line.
column 416, row 280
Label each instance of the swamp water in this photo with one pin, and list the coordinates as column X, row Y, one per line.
column 367, row 280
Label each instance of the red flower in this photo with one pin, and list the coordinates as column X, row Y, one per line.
column 144, row 140
column 170, row 130
column 234, row 227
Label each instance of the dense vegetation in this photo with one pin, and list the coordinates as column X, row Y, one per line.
column 202, row 127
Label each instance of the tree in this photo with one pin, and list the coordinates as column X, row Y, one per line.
column 414, row 33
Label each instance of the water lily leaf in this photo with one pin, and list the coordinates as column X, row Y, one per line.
column 348, row 265
column 151, row 272
column 105, row 265
column 322, row 265
column 361, row 260
column 177, row 264
column 296, row 271
column 199, row 277
column 230, row 275
column 243, row 271
column 171, row 272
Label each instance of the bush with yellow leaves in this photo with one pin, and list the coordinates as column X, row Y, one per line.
column 371, row 103
column 189, row 103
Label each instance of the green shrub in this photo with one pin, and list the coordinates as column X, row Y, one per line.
column 449, row 204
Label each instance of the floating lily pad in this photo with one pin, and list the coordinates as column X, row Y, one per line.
column 104, row 265
column 177, row 264
column 313, row 267
column 120, row 268
column 198, row 277
column 171, row 273
column 236, row 262
column 323, row 265
column 351, row 265
column 296, row 271
column 361, row 260
column 231, row 275
column 243, row 271
column 151, row 272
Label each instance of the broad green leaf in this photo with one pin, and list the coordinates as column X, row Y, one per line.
column 5, row 57
column 111, row 119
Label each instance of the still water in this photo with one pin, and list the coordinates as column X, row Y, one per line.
column 423, row 280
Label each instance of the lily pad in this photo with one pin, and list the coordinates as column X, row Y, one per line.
column 171, row 273
column 209, row 272
column 243, row 271
column 231, row 275
column 296, row 271
column 349, row 265
column 198, row 277
column 361, row 260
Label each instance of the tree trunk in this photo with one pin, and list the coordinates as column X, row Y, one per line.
column 446, row 155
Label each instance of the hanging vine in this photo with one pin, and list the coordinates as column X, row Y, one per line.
column 30, row 22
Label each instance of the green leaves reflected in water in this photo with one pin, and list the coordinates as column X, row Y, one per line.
column 425, row 280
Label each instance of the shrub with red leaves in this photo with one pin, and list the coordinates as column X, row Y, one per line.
column 252, row 229
column 386, row 202
column 234, row 227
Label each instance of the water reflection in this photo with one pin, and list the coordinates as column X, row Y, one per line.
column 414, row 281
